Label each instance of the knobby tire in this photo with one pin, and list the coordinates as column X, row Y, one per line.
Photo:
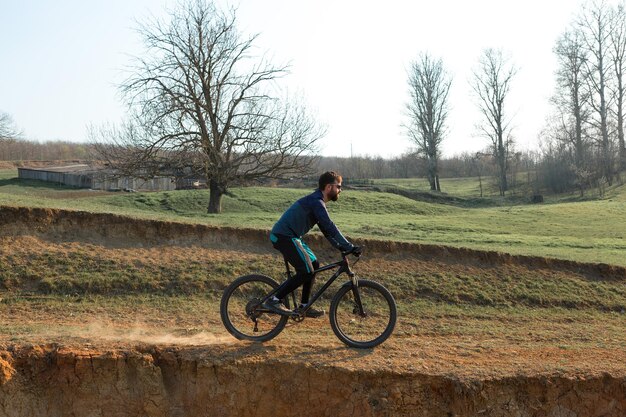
column 238, row 313
column 358, row 331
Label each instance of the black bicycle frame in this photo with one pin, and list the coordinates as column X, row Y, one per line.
column 344, row 267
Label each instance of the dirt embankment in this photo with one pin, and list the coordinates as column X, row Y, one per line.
column 53, row 381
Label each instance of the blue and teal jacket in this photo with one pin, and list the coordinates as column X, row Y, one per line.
column 303, row 215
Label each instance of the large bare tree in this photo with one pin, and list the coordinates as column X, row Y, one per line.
column 492, row 84
column 201, row 98
column 429, row 85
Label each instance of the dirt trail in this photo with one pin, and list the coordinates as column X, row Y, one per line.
column 85, row 362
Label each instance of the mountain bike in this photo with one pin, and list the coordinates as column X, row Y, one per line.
column 362, row 312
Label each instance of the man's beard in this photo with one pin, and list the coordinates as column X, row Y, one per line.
column 335, row 197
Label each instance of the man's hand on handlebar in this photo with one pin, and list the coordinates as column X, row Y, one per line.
column 356, row 251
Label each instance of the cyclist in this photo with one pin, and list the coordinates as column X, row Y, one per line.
column 286, row 236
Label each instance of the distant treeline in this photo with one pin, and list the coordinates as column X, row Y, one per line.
column 19, row 150
column 540, row 172
column 408, row 165
column 411, row 165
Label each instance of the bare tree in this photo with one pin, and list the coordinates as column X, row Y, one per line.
column 618, row 57
column 199, row 96
column 491, row 84
column 8, row 129
column 9, row 133
column 429, row 85
column 595, row 25
column 571, row 100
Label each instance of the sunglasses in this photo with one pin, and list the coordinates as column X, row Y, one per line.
column 337, row 185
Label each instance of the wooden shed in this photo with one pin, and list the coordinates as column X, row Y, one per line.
column 96, row 178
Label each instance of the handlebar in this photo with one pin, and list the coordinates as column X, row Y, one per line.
column 356, row 251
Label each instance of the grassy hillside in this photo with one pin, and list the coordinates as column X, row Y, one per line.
column 586, row 231
column 460, row 187
column 31, row 265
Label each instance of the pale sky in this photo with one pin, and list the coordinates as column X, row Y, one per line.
column 62, row 60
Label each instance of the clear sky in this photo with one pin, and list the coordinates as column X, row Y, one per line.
column 62, row 60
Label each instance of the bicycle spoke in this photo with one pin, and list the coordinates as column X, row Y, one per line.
column 241, row 314
column 367, row 329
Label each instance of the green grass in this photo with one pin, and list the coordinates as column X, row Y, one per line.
column 586, row 231
column 459, row 187
column 86, row 269
column 89, row 272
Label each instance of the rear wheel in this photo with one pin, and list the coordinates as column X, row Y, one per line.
column 240, row 313
column 368, row 328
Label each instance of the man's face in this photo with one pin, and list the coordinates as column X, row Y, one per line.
column 333, row 191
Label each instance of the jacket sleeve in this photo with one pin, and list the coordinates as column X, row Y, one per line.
column 329, row 229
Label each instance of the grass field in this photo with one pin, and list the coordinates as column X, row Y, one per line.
column 586, row 231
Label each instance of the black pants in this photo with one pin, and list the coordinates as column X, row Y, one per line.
column 302, row 258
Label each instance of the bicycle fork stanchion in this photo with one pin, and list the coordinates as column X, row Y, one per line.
column 356, row 293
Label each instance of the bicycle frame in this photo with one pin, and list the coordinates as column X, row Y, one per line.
column 343, row 268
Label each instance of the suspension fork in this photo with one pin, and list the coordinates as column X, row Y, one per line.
column 356, row 293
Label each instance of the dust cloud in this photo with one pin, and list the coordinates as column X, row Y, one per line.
column 142, row 334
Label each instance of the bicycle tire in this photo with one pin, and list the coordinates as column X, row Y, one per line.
column 363, row 332
column 238, row 314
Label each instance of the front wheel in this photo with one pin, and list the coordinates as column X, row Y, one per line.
column 367, row 328
column 239, row 309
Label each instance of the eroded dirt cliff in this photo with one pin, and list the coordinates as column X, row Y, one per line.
column 154, row 381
